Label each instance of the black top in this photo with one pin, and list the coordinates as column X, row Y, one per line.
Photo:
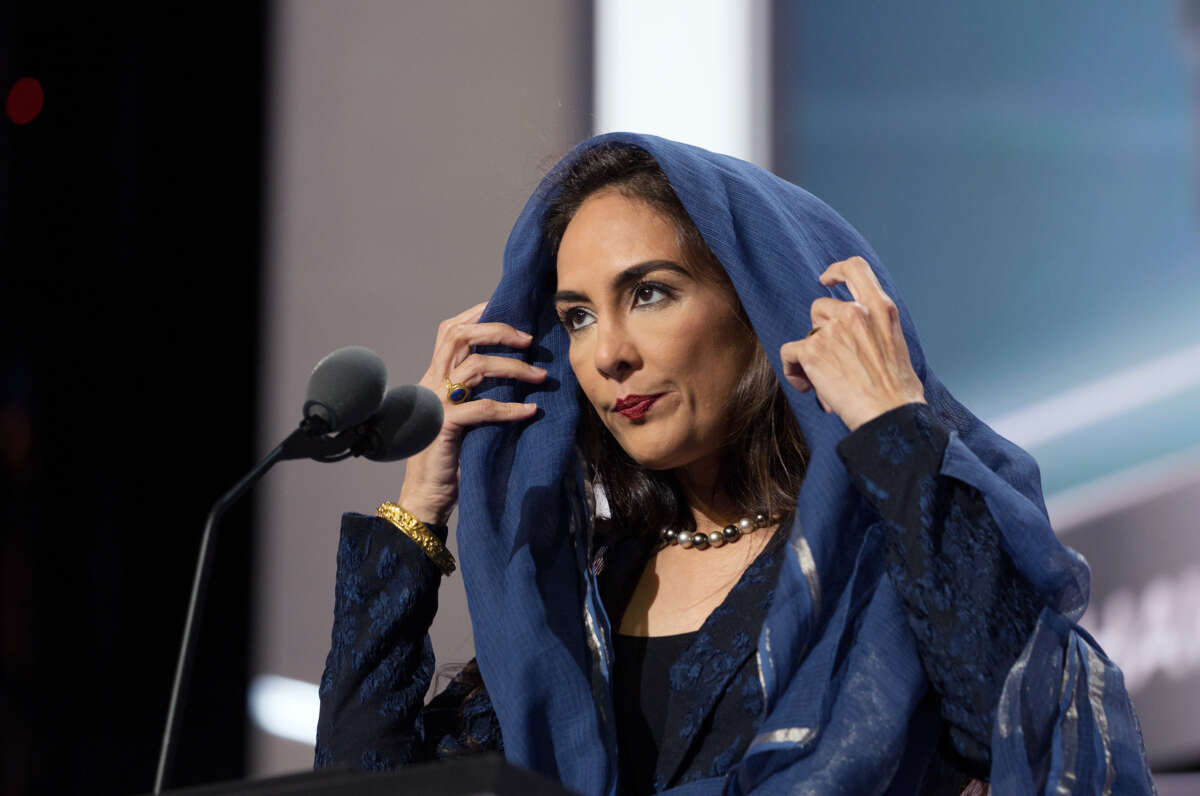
column 641, row 685
column 968, row 608
column 712, row 681
column 703, row 680
column 642, row 677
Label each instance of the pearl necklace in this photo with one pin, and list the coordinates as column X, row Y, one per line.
column 730, row 533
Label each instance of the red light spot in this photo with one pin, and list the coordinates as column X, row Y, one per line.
column 24, row 101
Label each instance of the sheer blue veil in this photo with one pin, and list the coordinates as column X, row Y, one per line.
column 838, row 667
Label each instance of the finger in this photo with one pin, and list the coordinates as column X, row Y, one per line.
column 792, row 353
column 859, row 279
column 866, row 291
column 826, row 310
column 485, row 410
column 477, row 367
column 457, row 341
column 793, row 370
column 493, row 333
column 444, row 329
column 470, row 314
column 821, row 311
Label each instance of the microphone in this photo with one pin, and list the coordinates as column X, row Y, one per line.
column 345, row 388
column 345, row 413
column 407, row 421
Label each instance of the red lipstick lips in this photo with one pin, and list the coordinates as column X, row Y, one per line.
column 635, row 406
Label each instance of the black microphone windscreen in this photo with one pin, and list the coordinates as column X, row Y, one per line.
column 408, row 420
column 346, row 387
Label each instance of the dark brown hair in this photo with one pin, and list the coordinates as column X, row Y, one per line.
column 765, row 454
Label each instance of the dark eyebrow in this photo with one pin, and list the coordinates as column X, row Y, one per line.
column 626, row 278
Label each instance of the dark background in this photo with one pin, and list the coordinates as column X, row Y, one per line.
column 129, row 303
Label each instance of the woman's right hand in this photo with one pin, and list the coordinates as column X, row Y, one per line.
column 430, row 487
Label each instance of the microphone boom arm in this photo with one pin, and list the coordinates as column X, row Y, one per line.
column 300, row 444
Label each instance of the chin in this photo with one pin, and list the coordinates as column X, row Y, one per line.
column 651, row 463
column 654, row 454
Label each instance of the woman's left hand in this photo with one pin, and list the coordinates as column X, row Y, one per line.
column 855, row 358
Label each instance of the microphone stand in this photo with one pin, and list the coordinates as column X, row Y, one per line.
column 309, row 441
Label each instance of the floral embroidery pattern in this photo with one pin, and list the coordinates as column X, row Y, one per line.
column 969, row 608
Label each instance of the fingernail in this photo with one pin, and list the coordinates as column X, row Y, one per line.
column 531, row 406
column 527, row 334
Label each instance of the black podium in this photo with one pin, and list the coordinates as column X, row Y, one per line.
column 482, row 775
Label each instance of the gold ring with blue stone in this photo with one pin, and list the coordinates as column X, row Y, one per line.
column 456, row 393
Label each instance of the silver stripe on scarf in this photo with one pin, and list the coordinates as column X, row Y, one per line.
column 1010, row 692
column 794, row 735
column 589, row 502
column 1096, row 697
column 762, row 679
column 599, row 650
column 1070, row 730
column 808, row 566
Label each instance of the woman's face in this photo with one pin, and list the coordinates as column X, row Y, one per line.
column 647, row 337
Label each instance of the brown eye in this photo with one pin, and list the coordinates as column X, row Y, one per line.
column 575, row 319
column 648, row 293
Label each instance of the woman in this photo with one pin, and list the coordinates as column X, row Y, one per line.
column 891, row 611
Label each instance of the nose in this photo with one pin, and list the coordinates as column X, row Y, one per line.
column 616, row 352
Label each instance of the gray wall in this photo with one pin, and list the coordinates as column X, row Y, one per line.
column 405, row 138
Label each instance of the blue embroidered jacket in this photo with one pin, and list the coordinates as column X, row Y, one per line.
column 967, row 607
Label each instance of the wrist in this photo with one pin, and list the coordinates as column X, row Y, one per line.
column 430, row 511
column 429, row 540
column 876, row 412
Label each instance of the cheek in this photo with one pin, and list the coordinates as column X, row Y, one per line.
column 721, row 364
column 579, row 357
column 712, row 357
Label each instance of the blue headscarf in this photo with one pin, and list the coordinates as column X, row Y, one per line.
column 839, row 668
